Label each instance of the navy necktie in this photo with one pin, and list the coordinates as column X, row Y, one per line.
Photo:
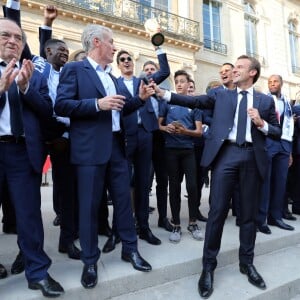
column 16, row 121
column 242, row 120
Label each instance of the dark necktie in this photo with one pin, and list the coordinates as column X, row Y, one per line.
column 16, row 121
column 242, row 120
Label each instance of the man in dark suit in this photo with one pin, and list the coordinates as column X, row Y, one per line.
column 24, row 102
column 272, row 204
column 235, row 149
column 139, row 126
column 89, row 95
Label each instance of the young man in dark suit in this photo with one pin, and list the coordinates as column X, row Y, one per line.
column 235, row 149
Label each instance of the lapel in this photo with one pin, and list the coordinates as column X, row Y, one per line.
column 136, row 84
column 123, row 88
column 2, row 99
column 94, row 77
column 256, row 99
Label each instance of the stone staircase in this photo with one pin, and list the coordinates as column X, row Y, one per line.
column 176, row 268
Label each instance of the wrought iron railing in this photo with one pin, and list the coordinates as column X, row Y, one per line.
column 136, row 13
column 215, row 46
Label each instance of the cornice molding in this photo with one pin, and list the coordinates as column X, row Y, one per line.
column 116, row 24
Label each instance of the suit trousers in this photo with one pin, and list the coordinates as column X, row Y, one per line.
column 274, row 186
column 139, row 153
column 233, row 165
column 24, row 191
column 161, row 174
column 91, row 180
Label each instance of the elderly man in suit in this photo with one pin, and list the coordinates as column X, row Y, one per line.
column 235, row 149
column 24, row 102
column 89, row 95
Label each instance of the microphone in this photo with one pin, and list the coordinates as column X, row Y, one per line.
column 145, row 79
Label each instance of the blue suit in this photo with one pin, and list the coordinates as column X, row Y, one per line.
column 21, row 167
column 232, row 165
column 274, row 187
column 98, row 155
column 139, row 142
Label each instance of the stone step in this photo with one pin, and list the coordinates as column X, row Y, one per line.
column 170, row 262
column 280, row 270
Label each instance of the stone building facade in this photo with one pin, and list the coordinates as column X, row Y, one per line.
column 200, row 35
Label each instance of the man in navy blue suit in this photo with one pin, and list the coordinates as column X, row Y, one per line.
column 89, row 95
column 235, row 149
column 139, row 126
column 24, row 102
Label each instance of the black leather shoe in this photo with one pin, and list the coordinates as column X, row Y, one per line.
column 18, row 265
column 264, row 228
column 110, row 244
column 3, row 272
column 296, row 211
column 288, row 216
column 147, row 235
column 137, row 261
column 105, row 230
column 253, row 276
column 56, row 221
column 164, row 223
column 9, row 229
column 49, row 287
column 205, row 284
column 279, row 223
column 72, row 251
column 89, row 277
column 201, row 218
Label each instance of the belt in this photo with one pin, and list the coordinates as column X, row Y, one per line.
column 233, row 143
column 12, row 139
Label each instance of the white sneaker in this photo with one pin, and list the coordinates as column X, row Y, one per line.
column 195, row 232
column 175, row 235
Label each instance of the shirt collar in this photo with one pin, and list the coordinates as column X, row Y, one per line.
column 250, row 90
column 17, row 63
column 98, row 67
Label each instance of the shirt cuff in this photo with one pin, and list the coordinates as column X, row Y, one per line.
column 96, row 104
column 265, row 128
column 26, row 90
column 13, row 4
column 46, row 27
column 167, row 96
column 159, row 51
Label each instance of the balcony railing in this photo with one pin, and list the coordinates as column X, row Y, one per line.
column 215, row 46
column 296, row 70
column 136, row 14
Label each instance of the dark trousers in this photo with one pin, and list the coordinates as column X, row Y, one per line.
column 24, row 191
column 274, row 186
column 182, row 161
column 91, row 181
column 234, row 165
column 161, row 174
column 139, row 153
column 65, row 189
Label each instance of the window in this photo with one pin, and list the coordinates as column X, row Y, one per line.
column 250, row 29
column 211, row 24
column 294, row 47
column 147, row 12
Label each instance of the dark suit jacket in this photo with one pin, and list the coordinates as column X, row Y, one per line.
column 224, row 103
column 147, row 113
column 90, row 130
column 36, row 105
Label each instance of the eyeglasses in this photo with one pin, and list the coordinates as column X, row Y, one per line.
column 123, row 59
